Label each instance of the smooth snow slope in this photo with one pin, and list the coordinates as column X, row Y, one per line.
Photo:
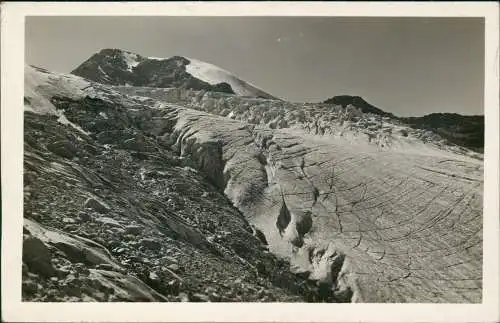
column 213, row 75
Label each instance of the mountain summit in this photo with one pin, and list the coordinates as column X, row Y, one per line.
column 120, row 67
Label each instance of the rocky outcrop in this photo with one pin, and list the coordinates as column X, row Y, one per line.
column 358, row 102
column 37, row 256
column 65, row 259
column 96, row 205
column 466, row 131
column 354, row 222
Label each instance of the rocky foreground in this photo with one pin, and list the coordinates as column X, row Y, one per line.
column 153, row 194
column 134, row 222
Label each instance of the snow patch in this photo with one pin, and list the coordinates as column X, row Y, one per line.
column 39, row 86
column 28, row 108
column 213, row 75
column 106, row 76
column 131, row 59
column 63, row 120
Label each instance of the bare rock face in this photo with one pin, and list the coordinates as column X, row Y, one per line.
column 351, row 209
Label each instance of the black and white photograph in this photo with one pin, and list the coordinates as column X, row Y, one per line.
column 253, row 159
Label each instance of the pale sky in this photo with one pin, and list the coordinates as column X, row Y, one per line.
column 407, row 66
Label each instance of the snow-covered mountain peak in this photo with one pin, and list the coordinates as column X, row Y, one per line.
column 121, row 67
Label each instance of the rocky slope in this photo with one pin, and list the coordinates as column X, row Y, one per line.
column 466, row 131
column 178, row 194
column 359, row 102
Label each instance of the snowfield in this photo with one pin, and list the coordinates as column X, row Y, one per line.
column 213, row 75
column 363, row 206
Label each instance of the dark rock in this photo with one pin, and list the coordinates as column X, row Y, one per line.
column 260, row 235
column 358, row 102
column 29, row 287
column 105, row 267
column 81, row 269
column 133, row 229
column 63, row 148
column 109, row 221
column 465, row 131
column 25, row 269
column 150, row 243
column 198, row 297
column 96, row 205
column 70, row 227
column 28, row 178
column 72, row 290
column 138, row 143
column 84, row 216
column 343, row 296
column 214, row 297
column 113, row 243
column 63, row 272
column 37, row 256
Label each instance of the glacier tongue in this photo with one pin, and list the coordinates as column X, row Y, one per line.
column 366, row 220
column 405, row 222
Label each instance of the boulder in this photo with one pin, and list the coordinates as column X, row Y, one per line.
column 133, row 229
column 109, row 221
column 29, row 287
column 68, row 220
column 198, row 297
column 84, row 216
column 150, row 243
column 96, row 205
column 63, row 148
column 37, row 257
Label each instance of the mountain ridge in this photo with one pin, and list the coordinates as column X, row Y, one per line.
column 463, row 130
